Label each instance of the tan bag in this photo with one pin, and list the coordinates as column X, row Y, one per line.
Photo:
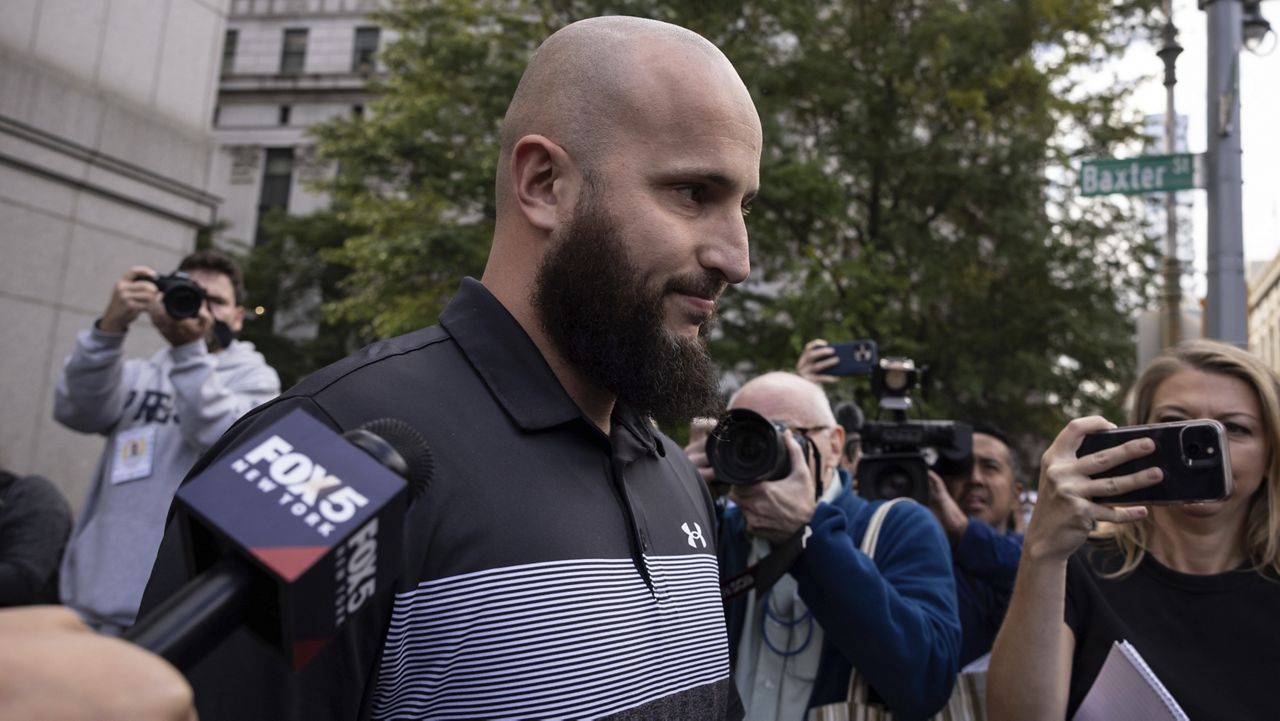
column 968, row 698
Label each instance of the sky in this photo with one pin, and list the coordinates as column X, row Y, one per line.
column 1260, row 124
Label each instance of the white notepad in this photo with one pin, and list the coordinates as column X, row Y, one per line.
column 1127, row 689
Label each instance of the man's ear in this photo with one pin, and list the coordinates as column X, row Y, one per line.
column 545, row 180
column 836, row 449
column 837, row 441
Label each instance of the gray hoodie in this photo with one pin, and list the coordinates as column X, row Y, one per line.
column 159, row 416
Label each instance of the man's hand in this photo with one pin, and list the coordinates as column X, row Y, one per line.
column 775, row 510
column 54, row 667
column 945, row 509
column 818, row 356
column 181, row 332
column 129, row 297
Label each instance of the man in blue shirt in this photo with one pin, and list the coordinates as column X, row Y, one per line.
column 978, row 511
column 893, row 617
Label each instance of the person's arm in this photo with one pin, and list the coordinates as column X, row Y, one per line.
column 817, row 356
column 90, row 394
column 985, row 553
column 894, row 618
column 34, row 523
column 52, row 666
column 206, row 406
column 1030, row 672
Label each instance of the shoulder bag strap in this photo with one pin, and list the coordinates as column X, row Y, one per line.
column 870, row 537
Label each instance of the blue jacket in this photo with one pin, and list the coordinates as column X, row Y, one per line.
column 986, row 563
column 895, row 619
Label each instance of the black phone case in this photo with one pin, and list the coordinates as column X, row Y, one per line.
column 1182, row 483
column 857, row 358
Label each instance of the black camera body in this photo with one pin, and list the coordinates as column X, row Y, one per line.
column 898, row 454
column 745, row 448
column 182, row 295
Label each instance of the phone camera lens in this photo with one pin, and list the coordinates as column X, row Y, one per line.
column 1193, row 449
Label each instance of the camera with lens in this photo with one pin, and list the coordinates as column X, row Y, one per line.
column 182, row 295
column 745, row 448
column 898, row 454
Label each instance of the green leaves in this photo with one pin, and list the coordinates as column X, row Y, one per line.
column 912, row 185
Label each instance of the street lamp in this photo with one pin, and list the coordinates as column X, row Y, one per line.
column 1171, row 325
column 1256, row 29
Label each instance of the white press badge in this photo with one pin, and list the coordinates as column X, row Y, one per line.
column 135, row 451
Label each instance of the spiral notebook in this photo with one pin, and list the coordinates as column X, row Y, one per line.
column 1127, row 689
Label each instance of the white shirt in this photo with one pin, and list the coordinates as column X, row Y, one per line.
column 777, row 685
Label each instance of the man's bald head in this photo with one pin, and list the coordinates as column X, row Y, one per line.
column 629, row 154
column 800, row 404
column 785, row 396
column 596, row 78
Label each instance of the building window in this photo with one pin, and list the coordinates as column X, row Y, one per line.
column 294, row 56
column 229, row 51
column 277, row 179
column 366, row 46
column 357, row 111
column 285, row 111
column 217, row 112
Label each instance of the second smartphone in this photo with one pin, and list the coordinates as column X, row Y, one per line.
column 1194, row 456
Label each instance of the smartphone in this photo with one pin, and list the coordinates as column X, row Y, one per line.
column 856, row 358
column 1194, row 456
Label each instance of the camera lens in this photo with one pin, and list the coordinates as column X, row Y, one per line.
column 182, row 302
column 894, row 483
column 1193, row 449
column 746, row 447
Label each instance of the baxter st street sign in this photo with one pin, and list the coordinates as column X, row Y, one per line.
column 1145, row 174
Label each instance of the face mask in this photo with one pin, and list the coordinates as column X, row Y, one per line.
column 222, row 336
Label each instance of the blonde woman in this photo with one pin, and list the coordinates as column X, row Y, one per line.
column 1195, row 588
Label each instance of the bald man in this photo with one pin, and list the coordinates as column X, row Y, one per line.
column 561, row 562
column 892, row 617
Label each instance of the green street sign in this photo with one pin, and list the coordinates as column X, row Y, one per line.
column 1145, row 174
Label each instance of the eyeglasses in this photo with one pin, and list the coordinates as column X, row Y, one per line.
column 808, row 431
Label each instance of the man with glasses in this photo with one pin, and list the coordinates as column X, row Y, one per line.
column 893, row 617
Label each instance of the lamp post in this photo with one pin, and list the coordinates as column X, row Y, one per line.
column 1169, row 52
column 1231, row 22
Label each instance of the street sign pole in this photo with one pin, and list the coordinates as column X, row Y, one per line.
column 1172, row 309
column 1225, row 305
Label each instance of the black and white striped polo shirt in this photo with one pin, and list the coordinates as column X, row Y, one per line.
column 551, row 571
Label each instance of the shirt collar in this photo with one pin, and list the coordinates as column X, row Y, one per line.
column 513, row 368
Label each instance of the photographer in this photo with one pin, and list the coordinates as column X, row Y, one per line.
column 794, row 645
column 159, row 416
column 978, row 511
column 1193, row 586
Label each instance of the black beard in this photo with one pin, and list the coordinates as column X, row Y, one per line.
column 592, row 302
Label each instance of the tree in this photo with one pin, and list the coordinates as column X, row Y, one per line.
column 914, row 185
column 289, row 277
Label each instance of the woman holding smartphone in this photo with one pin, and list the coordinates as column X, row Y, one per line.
column 1195, row 588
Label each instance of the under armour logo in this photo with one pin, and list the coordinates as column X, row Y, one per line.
column 694, row 535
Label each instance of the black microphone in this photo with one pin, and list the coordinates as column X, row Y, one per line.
column 289, row 534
